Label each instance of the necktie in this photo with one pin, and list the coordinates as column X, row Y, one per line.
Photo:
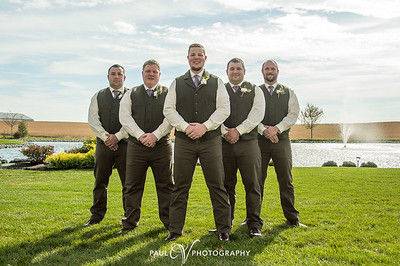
column 116, row 94
column 271, row 89
column 150, row 93
column 236, row 88
column 196, row 80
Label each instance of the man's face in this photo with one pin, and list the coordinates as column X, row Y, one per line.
column 196, row 58
column 270, row 72
column 116, row 77
column 151, row 75
column 235, row 73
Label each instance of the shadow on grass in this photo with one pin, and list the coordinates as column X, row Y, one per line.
column 80, row 245
column 106, row 244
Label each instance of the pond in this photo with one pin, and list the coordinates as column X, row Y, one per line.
column 385, row 155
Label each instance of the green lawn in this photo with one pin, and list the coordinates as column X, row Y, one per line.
column 353, row 216
column 5, row 141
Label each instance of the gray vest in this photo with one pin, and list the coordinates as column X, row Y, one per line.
column 196, row 105
column 241, row 104
column 276, row 107
column 109, row 111
column 147, row 111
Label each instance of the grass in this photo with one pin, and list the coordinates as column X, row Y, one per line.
column 9, row 141
column 353, row 216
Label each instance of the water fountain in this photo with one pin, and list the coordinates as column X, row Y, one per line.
column 346, row 130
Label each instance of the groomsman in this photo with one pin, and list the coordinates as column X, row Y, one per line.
column 281, row 112
column 196, row 105
column 240, row 145
column 110, row 142
column 141, row 115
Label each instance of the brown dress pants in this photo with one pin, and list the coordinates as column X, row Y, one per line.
column 105, row 160
column 186, row 154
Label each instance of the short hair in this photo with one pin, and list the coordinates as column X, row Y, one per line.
column 197, row 45
column 235, row 60
column 115, row 65
column 269, row 60
column 151, row 62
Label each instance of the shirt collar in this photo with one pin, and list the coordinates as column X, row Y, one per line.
column 147, row 88
column 120, row 89
column 240, row 84
column 199, row 74
column 273, row 85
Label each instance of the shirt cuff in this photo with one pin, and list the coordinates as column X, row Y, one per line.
column 119, row 135
column 240, row 129
column 157, row 133
column 183, row 126
column 103, row 137
column 260, row 129
column 280, row 127
column 208, row 124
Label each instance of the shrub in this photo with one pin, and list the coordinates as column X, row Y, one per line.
column 329, row 163
column 87, row 145
column 36, row 153
column 65, row 160
column 369, row 164
column 348, row 164
column 22, row 131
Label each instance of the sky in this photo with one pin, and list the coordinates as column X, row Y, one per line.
column 341, row 55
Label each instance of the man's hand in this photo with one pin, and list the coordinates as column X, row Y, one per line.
column 111, row 142
column 232, row 136
column 148, row 140
column 271, row 133
column 195, row 130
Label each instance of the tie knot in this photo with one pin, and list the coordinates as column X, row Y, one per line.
column 236, row 88
column 150, row 92
column 116, row 94
column 270, row 89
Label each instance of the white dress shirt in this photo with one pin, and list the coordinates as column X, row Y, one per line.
column 293, row 113
column 94, row 119
column 130, row 125
column 255, row 115
column 215, row 120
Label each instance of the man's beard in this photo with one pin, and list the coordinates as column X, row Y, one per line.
column 196, row 68
column 272, row 79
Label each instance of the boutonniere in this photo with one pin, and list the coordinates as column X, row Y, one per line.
column 245, row 88
column 204, row 78
column 280, row 91
column 157, row 91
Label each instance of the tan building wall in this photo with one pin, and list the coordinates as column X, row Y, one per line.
column 360, row 131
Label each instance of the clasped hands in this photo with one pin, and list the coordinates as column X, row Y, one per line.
column 195, row 130
column 148, row 139
column 271, row 133
column 232, row 136
column 111, row 142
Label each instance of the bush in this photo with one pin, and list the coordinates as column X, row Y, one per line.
column 348, row 164
column 329, row 163
column 65, row 160
column 22, row 131
column 88, row 145
column 37, row 154
column 369, row 164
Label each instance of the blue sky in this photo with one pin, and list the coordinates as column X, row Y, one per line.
column 343, row 56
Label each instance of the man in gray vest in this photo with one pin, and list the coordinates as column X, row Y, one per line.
column 240, row 145
column 141, row 115
column 196, row 105
column 110, row 142
column 281, row 112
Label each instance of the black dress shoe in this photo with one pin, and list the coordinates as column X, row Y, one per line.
column 255, row 232
column 296, row 224
column 128, row 228
column 223, row 237
column 244, row 222
column 172, row 237
column 91, row 222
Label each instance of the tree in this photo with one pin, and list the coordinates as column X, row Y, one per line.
column 11, row 121
column 310, row 116
column 22, row 131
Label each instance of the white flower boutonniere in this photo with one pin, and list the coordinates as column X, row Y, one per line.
column 204, row 78
column 245, row 88
column 157, row 91
column 280, row 91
